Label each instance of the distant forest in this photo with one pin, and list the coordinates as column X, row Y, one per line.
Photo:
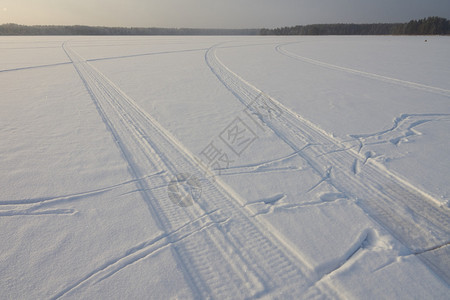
column 427, row 26
column 15, row 29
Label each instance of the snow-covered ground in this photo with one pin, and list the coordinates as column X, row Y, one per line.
column 224, row 167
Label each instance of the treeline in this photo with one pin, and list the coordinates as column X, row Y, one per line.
column 15, row 29
column 427, row 26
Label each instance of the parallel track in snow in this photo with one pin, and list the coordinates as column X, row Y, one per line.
column 411, row 215
column 223, row 251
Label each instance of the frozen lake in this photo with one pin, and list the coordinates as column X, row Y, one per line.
column 225, row 167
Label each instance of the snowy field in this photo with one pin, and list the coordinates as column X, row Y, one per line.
column 224, row 167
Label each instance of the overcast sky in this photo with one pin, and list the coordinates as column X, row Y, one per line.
column 216, row 13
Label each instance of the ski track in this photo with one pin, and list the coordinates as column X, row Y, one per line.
column 27, row 48
column 271, row 207
column 36, row 67
column 142, row 251
column 146, row 54
column 35, row 212
column 280, row 49
column 235, row 255
column 36, row 206
column 276, row 166
column 415, row 218
column 403, row 128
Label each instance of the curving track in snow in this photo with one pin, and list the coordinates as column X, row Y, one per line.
column 415, row 218
column 431, row 89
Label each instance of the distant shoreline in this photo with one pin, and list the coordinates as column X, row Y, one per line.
column 427, row 26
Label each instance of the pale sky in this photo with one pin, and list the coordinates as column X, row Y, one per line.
column 216, row 13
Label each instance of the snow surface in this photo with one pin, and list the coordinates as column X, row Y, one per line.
column 330, row 180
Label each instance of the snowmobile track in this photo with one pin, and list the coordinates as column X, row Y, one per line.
column 415, row 218
column 227, row 254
